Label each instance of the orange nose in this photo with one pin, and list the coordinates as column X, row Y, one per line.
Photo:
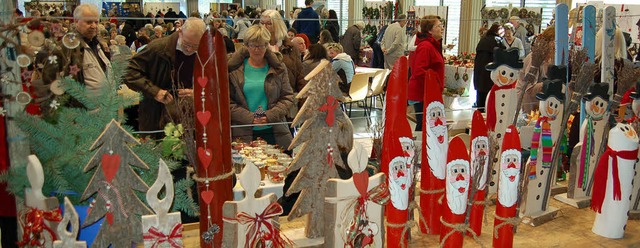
column 550, row 111
column 503, row 80
column 595, row 108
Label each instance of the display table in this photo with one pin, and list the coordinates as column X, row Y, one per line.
column 451, row 82
column 266, row 187
column 367, row 70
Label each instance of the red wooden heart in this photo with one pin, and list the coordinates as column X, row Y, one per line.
column 110, row 166
column 202, row 81
column 110, row 218
column 203, row 117
column 361, row 180
column 205, row 157
column 207, row 196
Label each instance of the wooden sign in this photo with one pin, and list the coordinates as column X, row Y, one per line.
column 355, row 207
column 252, row 222
column 113, row 184
column 163, row 228
column 211, row 103
column 68, row 238
column 613, row 182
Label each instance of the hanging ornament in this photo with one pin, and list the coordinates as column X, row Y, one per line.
column 457, row 75
column 70, row 41
column 23, row 60
column 465, row 76
column 23, row 98
column 36, row 38
column 56, row 87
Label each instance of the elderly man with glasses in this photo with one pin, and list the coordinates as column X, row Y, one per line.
column 163, row 72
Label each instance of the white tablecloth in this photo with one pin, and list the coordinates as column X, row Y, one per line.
column 451, row 82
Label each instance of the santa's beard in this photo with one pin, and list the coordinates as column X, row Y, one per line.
column 456, row 200
column 399, row 194
column 436, row 151
column 508, row 187
column 482, row 168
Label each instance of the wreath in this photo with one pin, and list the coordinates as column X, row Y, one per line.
column 504, row 13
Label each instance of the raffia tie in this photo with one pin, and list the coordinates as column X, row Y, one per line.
column 407, row 226
column 514, row 221
column 432, row 192
column 462, row 227
column 213, row 179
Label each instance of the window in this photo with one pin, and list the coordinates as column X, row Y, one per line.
column 547, row 6
column 452, row 22
column 504, row 3
column 340, row 6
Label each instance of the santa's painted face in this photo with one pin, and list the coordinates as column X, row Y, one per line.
column 596, row 107
column 504, row 75
column 399, row 182
column 399, row 173
column 437, row 121
column 408, row 148
column 550, row 107
column 510, row 166
column 457, row 185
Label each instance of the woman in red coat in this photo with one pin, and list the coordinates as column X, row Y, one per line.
column 427, row 59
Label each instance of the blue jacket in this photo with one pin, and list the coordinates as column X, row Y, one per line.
column 309, row 27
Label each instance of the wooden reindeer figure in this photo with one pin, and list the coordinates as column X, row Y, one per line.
column 634, row 212
column 42, row 214
column 479, row 152
column 507, row 203
column 355, row 206
column 163, row 228
column 612, row 183
column 501, row 109
column 456, row 196
column 596, row 103
column 545, row 134
column 252, row 222
column 68, row 239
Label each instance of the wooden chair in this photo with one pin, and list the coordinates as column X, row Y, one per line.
column 358, row 90
column 377, row 86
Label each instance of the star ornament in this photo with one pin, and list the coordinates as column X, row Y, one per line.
column 27, row 75
column 73, row 70
column 54, row 104
column 3, row 111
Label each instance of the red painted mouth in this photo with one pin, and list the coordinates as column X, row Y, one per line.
column 512, row 178
column 461, row 189
column 403, row 186
column 441, row 139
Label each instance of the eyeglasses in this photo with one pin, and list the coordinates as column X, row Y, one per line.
column 266, row 23
column 256, row 47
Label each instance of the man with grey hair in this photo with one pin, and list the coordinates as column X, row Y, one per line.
column 520, row 33
column 163, row 72
column 351, row 41
column 394, row 41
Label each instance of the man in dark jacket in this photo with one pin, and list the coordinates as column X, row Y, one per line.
column 129, row 32
column 351, row 41
column 170, row 16
column 308, row 22
column 164, row 65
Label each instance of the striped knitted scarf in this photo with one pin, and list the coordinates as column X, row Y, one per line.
column 585, row 153
column 541, row 137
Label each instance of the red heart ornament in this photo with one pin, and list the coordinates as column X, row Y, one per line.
column 203, row 117
column 110, row 166
column 361, row 180
column 202, row 81
column 205, row 157
column 207, row 196
column 110, row 218
column 367, row 240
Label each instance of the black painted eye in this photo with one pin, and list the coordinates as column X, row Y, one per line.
column 462, row 171
column 602, row 104
column 455, row 171
column 511, row 75
column 504, row 73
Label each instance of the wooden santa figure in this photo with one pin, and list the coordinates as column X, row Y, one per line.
column 612, row 183
column 596, row 115
column 395, row 160
column 506, row 206
column 456, row 196
column 546, row 132
column 634, row 212
column 479, row 164
column 500, row 106
column 434, row 158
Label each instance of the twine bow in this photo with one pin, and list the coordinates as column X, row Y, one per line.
column 255, row 226
column 33, row 225
column 158, row 237
column 513, row 221
column 458, row 227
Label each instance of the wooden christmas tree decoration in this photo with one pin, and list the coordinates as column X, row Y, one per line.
column 596, row 104
column 41, row 216
column 397, row 156
column 505, row 71
column 612, row 184
column 319, row 154
column 479, row 170
column 507, row 202
column 163, row 228
column 434, row 158
column 634, row 212
column 68, row 239
column 211, row 104
column 545, row 135
column 456, row 196
column 355, row 207
column 113, row 184
column 252, row 222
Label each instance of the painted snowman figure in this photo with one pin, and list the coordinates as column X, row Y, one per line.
column 612, row 183
column 545, row 134
column 591, row 132
column 635, row 194
column 501, row 107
